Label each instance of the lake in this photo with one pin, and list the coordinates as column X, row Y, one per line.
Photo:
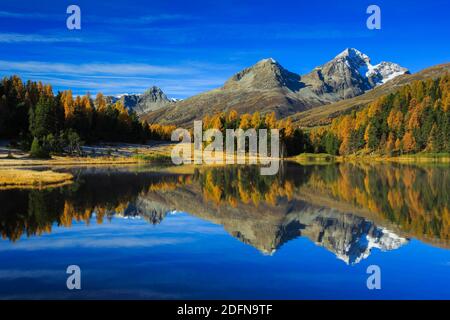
column 310, row 232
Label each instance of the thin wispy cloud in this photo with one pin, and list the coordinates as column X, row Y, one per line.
column 25, row 15
column 321, row 34
column 112, row 86
column 11, row 274
column 145, row 19
column 122, row 241
column 39, row 38
column 142, row 19
column 248, row 32
column 179, row 81
column 164, row 17
column 92, row 68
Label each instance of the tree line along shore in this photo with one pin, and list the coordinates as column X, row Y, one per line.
column 411, row 123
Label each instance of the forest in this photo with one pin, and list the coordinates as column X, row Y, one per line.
column 416, row 118
column 293, row 140
column 415, row 199
column 35, row 119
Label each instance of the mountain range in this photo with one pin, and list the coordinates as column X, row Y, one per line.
column 350, row 237
column 151, row 100
column 324, row 114
column 267, row 86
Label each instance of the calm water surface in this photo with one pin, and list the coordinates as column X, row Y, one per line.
column 309, row 232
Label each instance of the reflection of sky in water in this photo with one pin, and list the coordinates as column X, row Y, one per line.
column 186, row 257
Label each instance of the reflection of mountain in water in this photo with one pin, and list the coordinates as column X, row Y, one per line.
column 351, row 238
column 347, row 209
column 348, row 236
column 151, row 211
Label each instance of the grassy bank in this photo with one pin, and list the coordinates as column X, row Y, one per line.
column 121, row 154
column 426, row 157
column 66, row 161
column 160, row 154
column 314, row 158
column 324, row 158
column 156, row 157
column 16, row 178
column 407, row 158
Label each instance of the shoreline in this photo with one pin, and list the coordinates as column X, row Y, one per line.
column 65, row 161
column 406, row 159
column 159, row 157
column 32, row 179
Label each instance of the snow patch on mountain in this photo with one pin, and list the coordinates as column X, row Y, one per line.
column 386, row 71
column 379, row 238
column 376, row 74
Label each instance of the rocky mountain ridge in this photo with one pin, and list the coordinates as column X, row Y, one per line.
column 151, row 100
column 267, row 86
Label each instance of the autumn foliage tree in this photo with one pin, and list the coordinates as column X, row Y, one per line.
column 293, row 140
column 31, row 110
column 415, row 118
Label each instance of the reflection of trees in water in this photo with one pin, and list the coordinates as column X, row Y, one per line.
column 416, row 199
column 234, row 184
column 33, row 212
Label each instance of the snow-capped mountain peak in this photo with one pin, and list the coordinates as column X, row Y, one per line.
column 268, row 60
column 361, row 63
column 386, row 71
column 353, row 66
column 349, row 74
column 354, row 55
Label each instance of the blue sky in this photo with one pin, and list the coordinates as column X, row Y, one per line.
column 186, row 47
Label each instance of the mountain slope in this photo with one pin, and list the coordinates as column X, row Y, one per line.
column 350, row 74
column 263, row 87
column 267, row 86
column 323, row 115
column 151, row 100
